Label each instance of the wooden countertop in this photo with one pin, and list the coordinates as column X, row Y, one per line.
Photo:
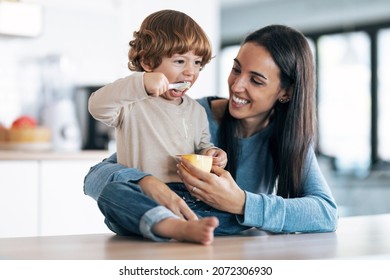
column 363, row 237
column 52, row 155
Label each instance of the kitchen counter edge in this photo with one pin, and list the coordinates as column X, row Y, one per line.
column 54, row 155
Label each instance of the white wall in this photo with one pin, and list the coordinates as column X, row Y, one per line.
column 93, row 36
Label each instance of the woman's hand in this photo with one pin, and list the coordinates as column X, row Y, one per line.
column 163, row 195
column 217, row 189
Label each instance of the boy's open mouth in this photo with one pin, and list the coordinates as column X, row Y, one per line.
column 178, row 93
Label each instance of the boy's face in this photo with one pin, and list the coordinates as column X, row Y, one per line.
column 179, row 68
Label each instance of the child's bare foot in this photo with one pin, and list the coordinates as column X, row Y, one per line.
column 198, row 231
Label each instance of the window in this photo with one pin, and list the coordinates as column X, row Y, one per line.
column 344, row 99
column 353, row 114
column 384, row 94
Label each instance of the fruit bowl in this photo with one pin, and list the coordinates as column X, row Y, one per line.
column 20, row 135
column 25, row 134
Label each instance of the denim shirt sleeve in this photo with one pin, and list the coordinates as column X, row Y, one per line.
column 314, row 211
column 108, row 171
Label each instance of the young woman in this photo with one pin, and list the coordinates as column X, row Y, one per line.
column 267, row 126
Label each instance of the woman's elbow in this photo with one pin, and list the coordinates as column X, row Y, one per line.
column 332, row 218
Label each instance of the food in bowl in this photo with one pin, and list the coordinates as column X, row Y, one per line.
column 200, row 161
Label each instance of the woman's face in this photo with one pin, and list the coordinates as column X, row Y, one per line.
column 254, row 85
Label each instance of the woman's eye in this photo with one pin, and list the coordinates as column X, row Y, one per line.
column 256, row 81
column 235, row 70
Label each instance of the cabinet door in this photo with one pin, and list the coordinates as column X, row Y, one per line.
column 65, row 209
column 18, row 198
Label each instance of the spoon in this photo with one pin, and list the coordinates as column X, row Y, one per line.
column 180, row 86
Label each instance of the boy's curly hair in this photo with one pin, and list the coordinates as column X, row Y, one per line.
column 165, row 33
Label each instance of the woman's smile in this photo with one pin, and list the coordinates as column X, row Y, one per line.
column 239, row 101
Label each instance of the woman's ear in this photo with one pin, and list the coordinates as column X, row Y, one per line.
column 285, row 95
column 146, row 66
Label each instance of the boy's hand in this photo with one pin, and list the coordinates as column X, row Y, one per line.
column 155, row 83
column 219, row 157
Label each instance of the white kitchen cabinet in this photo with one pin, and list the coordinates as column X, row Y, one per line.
column 65, row 209
column 19, row 198
column 41, row 193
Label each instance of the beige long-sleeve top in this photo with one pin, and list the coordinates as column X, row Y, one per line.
column 150, row 131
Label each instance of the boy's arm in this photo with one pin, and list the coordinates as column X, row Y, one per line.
column 106, row 103
column 205, row 147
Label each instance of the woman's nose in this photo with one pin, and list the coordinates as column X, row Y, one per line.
column 238, row 84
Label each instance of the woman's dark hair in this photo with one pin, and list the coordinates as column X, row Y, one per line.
column 294, row 122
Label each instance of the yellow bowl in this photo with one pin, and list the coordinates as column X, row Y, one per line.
column 199, row 161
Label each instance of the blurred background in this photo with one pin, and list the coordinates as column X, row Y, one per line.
column 54, row 53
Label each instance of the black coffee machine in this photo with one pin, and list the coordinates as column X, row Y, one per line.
column 95, row 135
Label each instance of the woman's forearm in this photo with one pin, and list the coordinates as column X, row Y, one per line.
column 276, row 214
